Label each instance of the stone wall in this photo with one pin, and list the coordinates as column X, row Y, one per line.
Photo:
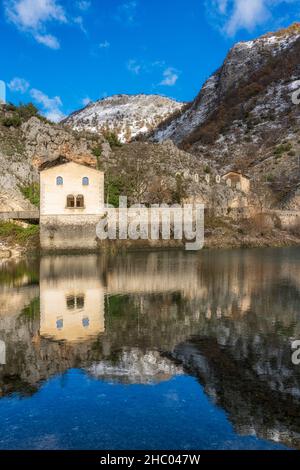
column 78, row 231
column 288, row 219
column 68, row 232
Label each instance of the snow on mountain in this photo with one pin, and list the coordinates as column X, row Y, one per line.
column 136, row 367
column 125, row 115
column 242, row 61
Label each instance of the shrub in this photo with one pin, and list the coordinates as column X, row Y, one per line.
column 180, row 191
column 97, row 151
column 283, row 148
column 112, row 139
column 26, row 111
column 113, row 189
column 32, row 193
column 20, row 234
column 13, row 121
column 270, row 178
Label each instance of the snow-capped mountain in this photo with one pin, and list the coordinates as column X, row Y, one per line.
column 126, row 115
column 241, row 63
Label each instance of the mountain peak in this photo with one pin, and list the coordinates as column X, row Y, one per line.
column 126, row 115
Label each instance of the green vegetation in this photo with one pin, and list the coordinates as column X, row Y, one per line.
column 14, row 116
column 19, row 234
column 31, row 311
column 13, row 274
column 283, row 148
column 270, row 178
column 114, row 188
column 26, row 111
column 97, row 152
column 13, row 121
column 32, row 193
column 180, row 190
column 112, row 139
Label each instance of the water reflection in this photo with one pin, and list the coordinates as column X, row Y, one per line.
column 226, row 318
column 72, row 299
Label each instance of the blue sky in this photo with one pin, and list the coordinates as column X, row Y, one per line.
column 62, row 53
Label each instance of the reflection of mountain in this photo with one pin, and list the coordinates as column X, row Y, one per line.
column 226, row 317
column 135, row 366
column 255, row 406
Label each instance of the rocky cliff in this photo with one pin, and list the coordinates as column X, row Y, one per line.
column 27, row 141
column 245, row 118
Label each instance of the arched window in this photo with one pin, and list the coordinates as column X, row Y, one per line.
column 80, row 301
column 86, row 322
column 70, row 302
column 59, row 323
column 80, row 201
column 70, row 201
column 59, row 181
column 85, row 181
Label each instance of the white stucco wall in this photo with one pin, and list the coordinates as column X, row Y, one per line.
column 54, row 197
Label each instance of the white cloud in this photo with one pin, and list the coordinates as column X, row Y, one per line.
column 86, row 101
column 83, row 5
column 104, row 45
column 170, row 77
column 31, row 16
column 222, row 5
column 47, row 40
column 19, row 85
column 79, row 21
column 127, row 12
column 235, row 15
column 134, row 67
column 51, row 106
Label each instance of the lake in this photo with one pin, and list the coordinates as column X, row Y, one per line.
column 151, row 350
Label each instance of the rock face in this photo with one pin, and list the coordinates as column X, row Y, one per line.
column 23, row 149
column 45, row 143
column 243, row 60
column 245, row 117
column 127, row 116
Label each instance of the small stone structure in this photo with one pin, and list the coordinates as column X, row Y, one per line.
column 71, row 204
column 237, row 181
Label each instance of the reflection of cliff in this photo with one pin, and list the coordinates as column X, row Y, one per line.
column 253, row 404
column 229, row 317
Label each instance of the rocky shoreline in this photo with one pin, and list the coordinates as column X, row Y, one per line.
column 217, row 239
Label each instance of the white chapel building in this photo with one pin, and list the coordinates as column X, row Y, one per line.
column 71, row 205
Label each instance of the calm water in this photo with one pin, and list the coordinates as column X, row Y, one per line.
column 151, row 351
